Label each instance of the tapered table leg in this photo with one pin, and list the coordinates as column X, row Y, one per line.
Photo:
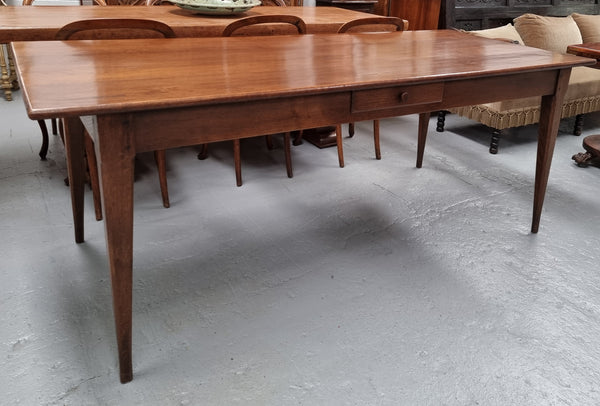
column 116, row 153
column 547, row 132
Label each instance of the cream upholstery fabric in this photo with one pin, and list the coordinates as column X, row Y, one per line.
column 550, row 33
column 553, row 34
column 589, row 25
column 507, row 31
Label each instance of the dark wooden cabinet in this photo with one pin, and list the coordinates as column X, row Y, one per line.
column 420, row 14
column 366, row 6
column 483, row 14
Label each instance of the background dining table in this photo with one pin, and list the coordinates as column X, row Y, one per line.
column 39, row 23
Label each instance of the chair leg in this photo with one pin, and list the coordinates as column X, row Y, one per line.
column 269, row 141
column 54, row 127
column 298, row 138
column 376, row 139
column 578, row 125
column 441, row 121
column 340, row 146
column 494, row 142
column 422, row 137
column 92, row 164
column 161, row 163
column 288, row 154
column 44, row 149
column 61, row 130
column 350, row 130
column 203, row 154
column 237, row 160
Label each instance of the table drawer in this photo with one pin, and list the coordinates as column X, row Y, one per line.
column 386, row 98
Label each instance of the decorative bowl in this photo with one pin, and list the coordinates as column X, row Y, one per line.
column 216, row 7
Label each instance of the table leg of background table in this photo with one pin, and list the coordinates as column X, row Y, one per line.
column 12, row 77
column 5, row 84
column 115, row 155
column 547, row 132
column 74, row 147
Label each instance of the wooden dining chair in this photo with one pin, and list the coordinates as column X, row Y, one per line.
column 370, row 24
column 56, row 124
column 274, row 21
column 247, row 26
column 119, row 28
column 114, row 28
column 42, row 123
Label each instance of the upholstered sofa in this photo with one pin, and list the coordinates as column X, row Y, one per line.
column 553, row 34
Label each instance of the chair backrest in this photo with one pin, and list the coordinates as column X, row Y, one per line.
column 377, row 23
column 115, row 28
column 274, row 20
column 280, row 3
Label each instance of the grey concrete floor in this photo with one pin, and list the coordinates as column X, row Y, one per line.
column 375, row 284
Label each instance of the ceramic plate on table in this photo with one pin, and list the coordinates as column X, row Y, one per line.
column 216, row 7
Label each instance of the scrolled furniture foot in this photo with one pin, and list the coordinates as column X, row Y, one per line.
column 582, row 159
column 441, row 121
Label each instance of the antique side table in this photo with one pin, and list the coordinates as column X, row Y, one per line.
column 590, row 143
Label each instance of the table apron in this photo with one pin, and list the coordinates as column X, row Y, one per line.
column 177, row 127
column 455, row 93
column 171, row 128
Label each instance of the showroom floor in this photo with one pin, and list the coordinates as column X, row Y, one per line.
column 375, row 284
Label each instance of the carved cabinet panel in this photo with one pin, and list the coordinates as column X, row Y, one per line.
column 482, row 14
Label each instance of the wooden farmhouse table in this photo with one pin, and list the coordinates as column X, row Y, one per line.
column 217, row 89
column 40, row 23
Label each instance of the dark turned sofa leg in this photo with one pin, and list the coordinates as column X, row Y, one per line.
column 494, row 142
column 578, row 124
column 441, row 121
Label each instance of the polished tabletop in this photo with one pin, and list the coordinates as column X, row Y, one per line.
column 36, row 23
column 95, row 77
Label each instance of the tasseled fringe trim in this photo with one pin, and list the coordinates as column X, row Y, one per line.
column 523, row 116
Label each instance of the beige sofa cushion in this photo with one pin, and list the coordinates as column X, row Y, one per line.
column 507, row 32
column 550, row 33
column 589, row 25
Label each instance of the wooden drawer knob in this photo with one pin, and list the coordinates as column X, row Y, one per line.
column 403, row 97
